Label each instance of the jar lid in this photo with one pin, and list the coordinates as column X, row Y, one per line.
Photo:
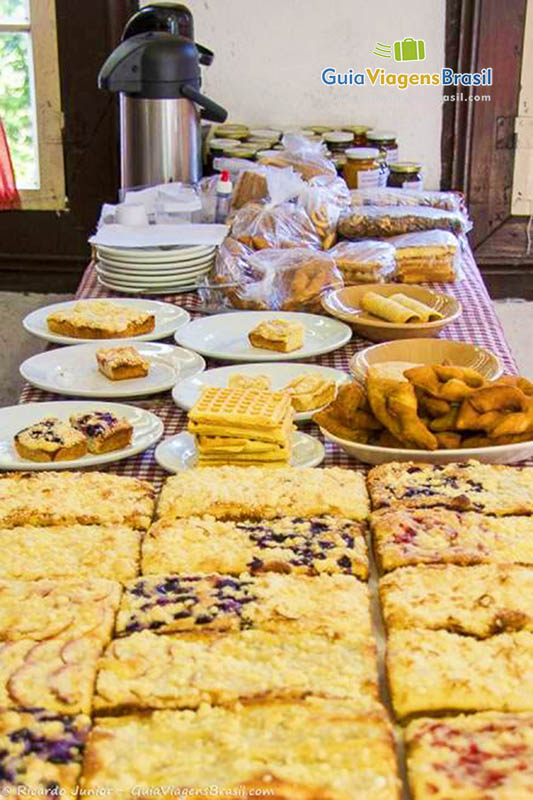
column 405, row 166
column 264, row 133
column 362, row 153
column 300, row 132
column 381, row 136
column 261, row 141
column 320, row 128
column 242, row 151
column 357, row 130
column 338, row 137
column 232, row 131
column 221, row 143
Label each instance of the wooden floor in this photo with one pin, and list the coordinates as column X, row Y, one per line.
column 506, row 265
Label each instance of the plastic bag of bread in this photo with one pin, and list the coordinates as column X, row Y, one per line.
column 296, row 279
column 250, row 187
column 279, row 223
column 322, row 211
column 427, row 257
column 337, row 189
column 367, row 261
column 234, row 282
column 306, row 157
column 367, row 222
column 448, row 201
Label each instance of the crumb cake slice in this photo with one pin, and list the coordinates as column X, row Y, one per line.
column 41, row 751
column 121, row 363
column 405, row 536
column 256, row 493
column 486, row 755
column 150, row 671
column 479, row 601
column 278, row 334
column 100, row 319
column 314, row 546
column 50, row 440
column 56, row 674
column 467, row 486
column 42, row 609
column 103, row 430
column 311, row 749
column 65, row 498
column 290, row 603
column 69, row 551
column 437, row 671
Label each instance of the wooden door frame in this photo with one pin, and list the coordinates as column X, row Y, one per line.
column 465, row 34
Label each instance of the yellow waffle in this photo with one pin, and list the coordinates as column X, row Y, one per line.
column 226, row 444
column 230, row 462
column 246, row 408
column 276, row 454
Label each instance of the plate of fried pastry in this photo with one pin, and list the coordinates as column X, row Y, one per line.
column 450, row 413
column 381, row 312
column 310, row 386
column 62, row 435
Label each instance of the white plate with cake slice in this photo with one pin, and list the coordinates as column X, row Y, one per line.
column 167, row 318
column 273, row 377
column 179, row 452
column 75, row 370
column 226, row 336
column 145, row 429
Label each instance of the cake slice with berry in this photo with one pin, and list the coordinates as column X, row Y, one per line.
column 50, row 440
column 103, row 430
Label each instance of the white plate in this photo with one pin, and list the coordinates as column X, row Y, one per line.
column 155, row 255
column 147, row 430
column 168, row 318
column 153, row 280
column 225, row 336
column 179, row 452
column 371, row 454
column 128, row 268
column 74, row 371
column 127, row 289
column 186, row 392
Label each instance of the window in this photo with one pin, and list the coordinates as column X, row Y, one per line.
column 30, row 106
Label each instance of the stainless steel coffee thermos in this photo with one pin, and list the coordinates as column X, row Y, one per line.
column 156, row 72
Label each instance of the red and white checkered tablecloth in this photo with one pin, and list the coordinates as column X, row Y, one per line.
column 478, row 325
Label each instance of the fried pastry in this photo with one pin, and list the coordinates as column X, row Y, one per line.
column 445, row 382
column 349, row 415
column 395, row 406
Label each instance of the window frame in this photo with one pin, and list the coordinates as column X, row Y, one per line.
column 42, row 28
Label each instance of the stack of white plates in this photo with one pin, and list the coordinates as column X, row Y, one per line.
column 154, row 270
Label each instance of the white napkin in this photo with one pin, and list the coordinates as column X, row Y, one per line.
column 159, row 235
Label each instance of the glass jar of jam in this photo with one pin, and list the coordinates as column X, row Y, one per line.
column 359, row 134
column 338, row 142
column 405, row 175
column 362, row 169
column 386, row 142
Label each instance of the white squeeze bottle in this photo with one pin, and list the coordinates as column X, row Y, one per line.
column 224, row 191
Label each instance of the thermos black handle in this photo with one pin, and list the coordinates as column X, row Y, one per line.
column 205, row 55
column 211, row 110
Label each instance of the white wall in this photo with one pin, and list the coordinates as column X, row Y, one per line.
column 269, row 57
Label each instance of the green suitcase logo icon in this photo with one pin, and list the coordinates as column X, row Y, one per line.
column 410, row 50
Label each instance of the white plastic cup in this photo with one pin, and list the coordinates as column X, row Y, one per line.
column 131, row 214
